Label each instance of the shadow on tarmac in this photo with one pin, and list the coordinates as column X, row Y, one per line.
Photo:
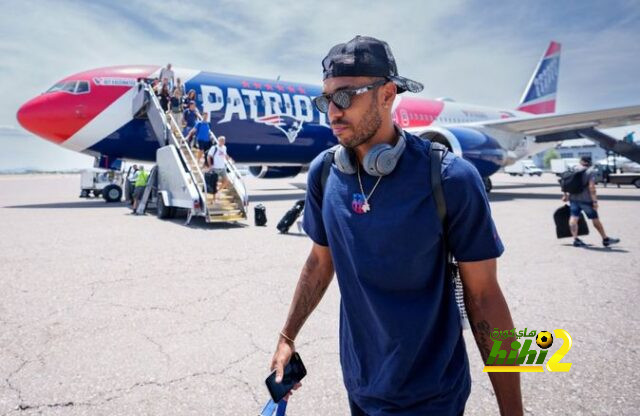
column 276, row 197
column 526, row 185
column 597, row 248
column 508, row 196
column 199, row 223
column 274, row 189
column 79, row 204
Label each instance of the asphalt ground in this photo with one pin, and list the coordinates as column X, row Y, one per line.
column 105, row 313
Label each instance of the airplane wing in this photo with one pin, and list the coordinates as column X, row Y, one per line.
column 548, row 124
column 586, row 124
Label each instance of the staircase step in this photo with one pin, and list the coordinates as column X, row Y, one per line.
column 225, row 211
column 232, row 211
column 226, row 218
column 220, row 196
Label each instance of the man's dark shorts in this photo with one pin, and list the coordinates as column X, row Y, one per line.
column 138, row 191
column 576, row 207
column 204, row 146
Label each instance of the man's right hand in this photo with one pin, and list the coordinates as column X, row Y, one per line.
column 281, row 357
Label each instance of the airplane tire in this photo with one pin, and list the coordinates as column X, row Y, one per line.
column 487, row 184
column 162, row 211
column 112, row 193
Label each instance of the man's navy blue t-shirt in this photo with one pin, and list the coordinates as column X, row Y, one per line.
column 190, row 118
column 401, row 345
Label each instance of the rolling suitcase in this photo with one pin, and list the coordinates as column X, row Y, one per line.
column 561, row 218
column 211, row 179
column 260, row 215
column 290, row 217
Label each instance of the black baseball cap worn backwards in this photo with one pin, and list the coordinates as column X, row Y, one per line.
column 364, row 56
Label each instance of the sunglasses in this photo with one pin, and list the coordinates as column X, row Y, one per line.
column 342, row 98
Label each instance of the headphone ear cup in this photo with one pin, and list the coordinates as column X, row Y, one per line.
column 371, row 159
column 343, row 161
column 382, row 159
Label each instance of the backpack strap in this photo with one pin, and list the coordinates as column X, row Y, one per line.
column 437, row 153
column 327, row 161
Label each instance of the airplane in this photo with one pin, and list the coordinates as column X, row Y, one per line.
column 272, row 126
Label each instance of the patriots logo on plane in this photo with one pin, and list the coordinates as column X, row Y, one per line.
column 289, row 125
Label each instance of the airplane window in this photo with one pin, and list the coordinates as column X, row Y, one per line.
column 83, row 86
column 69, row 86
column 56, row 87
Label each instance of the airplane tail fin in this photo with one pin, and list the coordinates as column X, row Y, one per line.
column 540, row 95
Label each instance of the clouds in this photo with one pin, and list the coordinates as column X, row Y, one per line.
column 479, row 52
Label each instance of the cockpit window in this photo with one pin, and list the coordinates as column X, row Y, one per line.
column 82, row 87
column 56, row 87
column 69, row 86
column 72, row 87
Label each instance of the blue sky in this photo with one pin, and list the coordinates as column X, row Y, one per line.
column 480, row 52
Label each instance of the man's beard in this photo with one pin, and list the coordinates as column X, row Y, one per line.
column 367, row 127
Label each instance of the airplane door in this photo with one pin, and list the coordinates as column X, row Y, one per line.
column 404, row 118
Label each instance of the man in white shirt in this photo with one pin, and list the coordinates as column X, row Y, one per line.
column 167, row 73
column 131, row 179
column 217, row 157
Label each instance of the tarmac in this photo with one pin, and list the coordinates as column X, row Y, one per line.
column 106, row 313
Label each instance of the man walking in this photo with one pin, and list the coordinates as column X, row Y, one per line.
column 202, row 131
column 189, row 119
column 586, row 200
column 140, row 185
column 167, row 74
column 374, row 221
column 217, row 158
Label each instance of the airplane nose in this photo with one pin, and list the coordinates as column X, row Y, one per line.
column 42, row 118
column 32, row 116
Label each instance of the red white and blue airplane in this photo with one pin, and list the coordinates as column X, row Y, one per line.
column 272, row 126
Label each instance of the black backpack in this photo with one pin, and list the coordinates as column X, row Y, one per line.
column 572, row 181
column 437, row 153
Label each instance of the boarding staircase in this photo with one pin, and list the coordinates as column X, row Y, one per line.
column 629, row 150
column 231, row 203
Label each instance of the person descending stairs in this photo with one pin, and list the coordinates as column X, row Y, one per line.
column 225, row 199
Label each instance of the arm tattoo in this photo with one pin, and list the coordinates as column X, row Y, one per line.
column 480, row 329
column 481, row 332
column 311, row 287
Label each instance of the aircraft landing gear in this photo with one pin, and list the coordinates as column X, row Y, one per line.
column 487, row 184
column 112, row 193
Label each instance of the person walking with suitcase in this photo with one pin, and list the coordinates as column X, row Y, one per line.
column 579, row 189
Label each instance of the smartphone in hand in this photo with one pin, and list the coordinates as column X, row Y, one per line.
column 293, row 373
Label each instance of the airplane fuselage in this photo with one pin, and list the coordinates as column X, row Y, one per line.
column 266, row 122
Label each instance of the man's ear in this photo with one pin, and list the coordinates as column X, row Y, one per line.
column 388, row 93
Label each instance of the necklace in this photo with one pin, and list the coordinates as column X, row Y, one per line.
column 366, row 207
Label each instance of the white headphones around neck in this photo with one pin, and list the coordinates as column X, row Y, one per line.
column 381, row 160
